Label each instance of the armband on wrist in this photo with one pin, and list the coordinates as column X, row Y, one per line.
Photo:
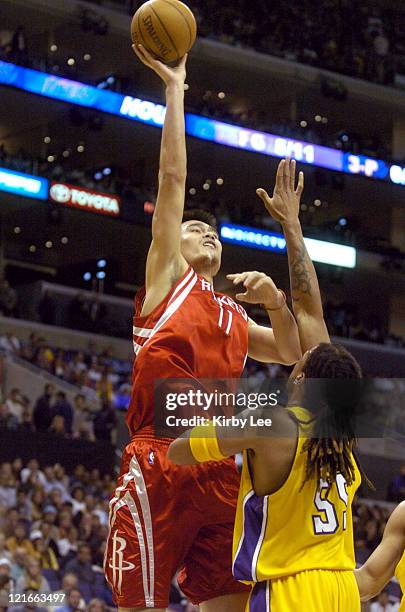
column 204, row 444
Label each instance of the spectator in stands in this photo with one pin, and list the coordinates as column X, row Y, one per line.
column 67, row 541
column 24, row 504
column 69, row 582
column 5, row 567
column 18, row 563
column 8, row 299
column 104, row 385
column 43, row 411
column 19, row 53
column 33, row 474
column 396, row 489
column 60, row 367
column 73, row 601
column 30, row 348
column 105, row 422
column 32, row 578
column 6, row 587
column 7, row 489
column 4, row 552
column 122, row 397
column 97, row 313
column 17, row 465
column 76, row 367
column 42, row 552
column 82, row 419
column 47, row 309
column 81, row 566
column 8, row 421
column 37, row 500
column 6, row 582
column 19, row 539
column 96, row 605
column 26, row 417
column 45, row 357
column 10, row 521
column 79, row 312
column 78, row 503
column 10, row 343
column 57, row 427
column 63, row 408
column 15, row 404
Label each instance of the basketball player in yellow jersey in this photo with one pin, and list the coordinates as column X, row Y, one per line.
column 293, row 536
column 387, row 559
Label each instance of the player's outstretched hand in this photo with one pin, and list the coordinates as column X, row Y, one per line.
column 260, row 289
column 166, row 73
column 284, row 206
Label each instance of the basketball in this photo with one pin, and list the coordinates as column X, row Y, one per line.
column 166, row 28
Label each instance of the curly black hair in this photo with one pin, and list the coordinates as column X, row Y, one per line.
column 331, row 392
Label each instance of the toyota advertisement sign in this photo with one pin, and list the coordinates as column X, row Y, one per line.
column 85, row 199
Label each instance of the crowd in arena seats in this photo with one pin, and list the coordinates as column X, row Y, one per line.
column 353, row 38
column 53, row 528
column 103, row 386
column 345, row 320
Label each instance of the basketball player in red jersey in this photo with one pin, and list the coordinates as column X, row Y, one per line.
column 165, row 517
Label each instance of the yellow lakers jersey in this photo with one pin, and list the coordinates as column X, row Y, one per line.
column 400, row 574
column 296, row 528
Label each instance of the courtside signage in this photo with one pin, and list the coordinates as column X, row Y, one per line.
column 319, row 250
column 23, row 184
column 225, row 134
column 92, row 201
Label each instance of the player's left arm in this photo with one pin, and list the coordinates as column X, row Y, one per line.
column 180, row 451
column 380, row 566
column 213, row 443
column 280, row 343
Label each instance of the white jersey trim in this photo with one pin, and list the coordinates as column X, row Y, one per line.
column 171, row 307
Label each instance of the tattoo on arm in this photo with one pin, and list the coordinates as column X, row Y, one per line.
column 300, row 274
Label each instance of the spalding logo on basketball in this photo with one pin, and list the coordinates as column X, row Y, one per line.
column 166, row 28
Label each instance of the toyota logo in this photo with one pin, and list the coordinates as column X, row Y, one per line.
column 60, row 193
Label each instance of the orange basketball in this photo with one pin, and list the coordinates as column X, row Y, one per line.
column 166, row 28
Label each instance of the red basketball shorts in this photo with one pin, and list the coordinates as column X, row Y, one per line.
column 164, row 518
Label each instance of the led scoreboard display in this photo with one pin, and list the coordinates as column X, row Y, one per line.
column 367, row 166
column 225, row 134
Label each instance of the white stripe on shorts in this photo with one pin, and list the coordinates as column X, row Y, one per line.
column 142, row 493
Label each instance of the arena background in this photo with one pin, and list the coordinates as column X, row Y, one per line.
column 322, row 82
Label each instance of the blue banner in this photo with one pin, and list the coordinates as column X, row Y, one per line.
column 225, row 134
column 323, row 252
column 23, row 184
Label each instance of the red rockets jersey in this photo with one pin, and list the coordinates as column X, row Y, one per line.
column 193, row 333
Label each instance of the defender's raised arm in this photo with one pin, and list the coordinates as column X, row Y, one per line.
column 284, row 207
